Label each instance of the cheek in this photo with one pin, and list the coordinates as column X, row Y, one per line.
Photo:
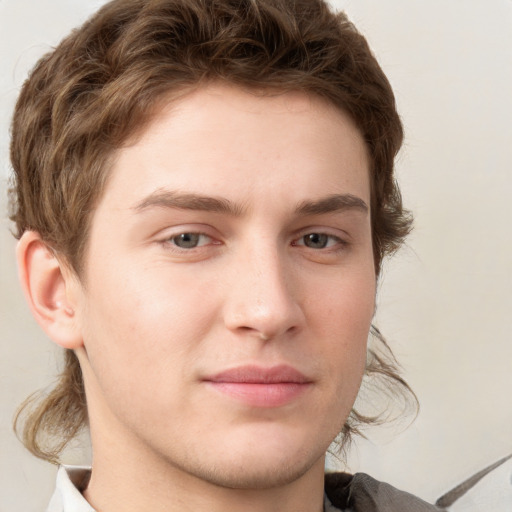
column 343, row 316
column 137, row 324
column 346, row 306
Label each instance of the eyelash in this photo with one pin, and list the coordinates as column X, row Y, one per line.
column 336, row 243
column 170, row 242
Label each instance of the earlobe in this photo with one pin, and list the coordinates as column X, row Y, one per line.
column 47, row 285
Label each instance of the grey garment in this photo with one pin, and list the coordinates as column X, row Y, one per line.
column 362, row 493
column 329, row 507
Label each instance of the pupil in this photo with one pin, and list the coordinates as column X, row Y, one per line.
column 187, row 240
column 316, row 240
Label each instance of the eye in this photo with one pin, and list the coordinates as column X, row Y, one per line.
column 189, row 240
column 319, row 241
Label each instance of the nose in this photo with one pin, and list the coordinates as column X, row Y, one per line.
column 262, row 295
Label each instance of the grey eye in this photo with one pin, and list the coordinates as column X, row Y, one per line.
column 187, row 240
column 316, row 240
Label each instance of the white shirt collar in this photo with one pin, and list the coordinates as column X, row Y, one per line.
column 67, row 496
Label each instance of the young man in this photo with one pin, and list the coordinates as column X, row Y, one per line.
column 204, row 195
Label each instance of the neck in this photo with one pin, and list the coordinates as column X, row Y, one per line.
column 130, row 480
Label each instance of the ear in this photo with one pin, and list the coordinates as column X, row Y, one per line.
column 50, row 289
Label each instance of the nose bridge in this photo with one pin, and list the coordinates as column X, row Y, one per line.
column 261, row 296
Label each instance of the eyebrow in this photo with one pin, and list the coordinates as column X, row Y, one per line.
column 191, row 201
column 331, row 204
column 188, row 201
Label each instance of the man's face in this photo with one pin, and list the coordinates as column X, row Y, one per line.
column 229, row 287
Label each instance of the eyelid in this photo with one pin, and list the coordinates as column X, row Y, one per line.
column 171, row 231
column 330, row 231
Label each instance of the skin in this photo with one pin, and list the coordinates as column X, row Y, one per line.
column 152, row 321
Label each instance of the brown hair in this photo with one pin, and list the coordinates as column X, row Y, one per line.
column 101, row 84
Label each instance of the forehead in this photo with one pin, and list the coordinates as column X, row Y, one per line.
column 232, row 142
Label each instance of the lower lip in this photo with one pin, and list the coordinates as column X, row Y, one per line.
column 262, row 395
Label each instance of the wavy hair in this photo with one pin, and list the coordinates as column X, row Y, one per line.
column 100, row 86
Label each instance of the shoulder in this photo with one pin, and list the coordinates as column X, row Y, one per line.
column 362, row 493
column 489, row 489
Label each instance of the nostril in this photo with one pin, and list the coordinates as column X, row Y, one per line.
column 257, row 334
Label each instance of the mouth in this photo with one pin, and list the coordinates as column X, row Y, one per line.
column 261, row 387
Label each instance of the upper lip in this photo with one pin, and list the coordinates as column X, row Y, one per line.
column 253, row 374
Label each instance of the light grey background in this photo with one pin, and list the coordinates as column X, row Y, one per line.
column 444, row 302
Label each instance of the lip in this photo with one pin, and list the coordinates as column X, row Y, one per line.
column 256, row 386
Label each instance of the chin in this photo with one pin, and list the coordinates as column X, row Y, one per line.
column 255, row 463
column 256, row 475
